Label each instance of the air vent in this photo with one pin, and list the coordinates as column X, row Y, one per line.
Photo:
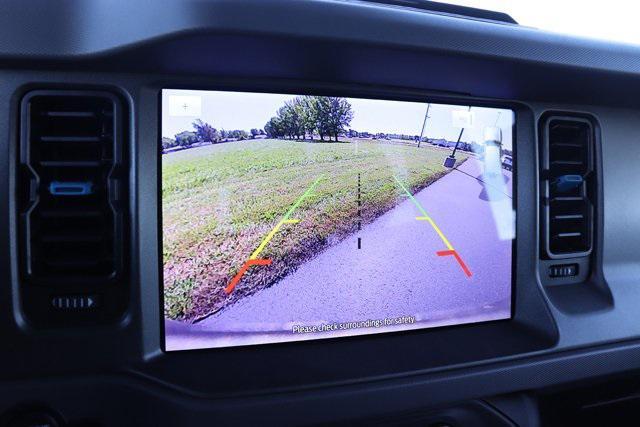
column 71, row 188
column 568, row 183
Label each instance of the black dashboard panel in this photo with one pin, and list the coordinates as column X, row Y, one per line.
column 560, row 335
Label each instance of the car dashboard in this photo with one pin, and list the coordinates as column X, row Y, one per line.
column 86, row 317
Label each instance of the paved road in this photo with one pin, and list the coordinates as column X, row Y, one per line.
column 395, row 273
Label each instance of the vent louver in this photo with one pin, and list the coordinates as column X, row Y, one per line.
column 71, row 196
column 567, row 186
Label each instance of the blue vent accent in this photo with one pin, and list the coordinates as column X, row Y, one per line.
column 57, row 188
column 566, row 183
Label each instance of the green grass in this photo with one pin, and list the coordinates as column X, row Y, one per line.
column 220, row 201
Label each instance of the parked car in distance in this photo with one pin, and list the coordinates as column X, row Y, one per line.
column 507, row 163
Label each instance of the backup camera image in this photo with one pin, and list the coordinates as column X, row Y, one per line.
column 290, row 218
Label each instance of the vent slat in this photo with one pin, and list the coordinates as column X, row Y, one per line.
column 567, row 199
column 565, row 235
column 71, row 139
column 566, row 163
column 561, row 217
column 72, row 264
column 81, row 238
column 69, row 113
column 567, row 144
column 70, row 164
column 70, row 214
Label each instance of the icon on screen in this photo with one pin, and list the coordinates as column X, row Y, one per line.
column 185, row 106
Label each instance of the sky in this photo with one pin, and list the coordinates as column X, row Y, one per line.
column 241, row 110
column 611, row 20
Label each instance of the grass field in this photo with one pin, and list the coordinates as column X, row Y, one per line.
column 220, row 201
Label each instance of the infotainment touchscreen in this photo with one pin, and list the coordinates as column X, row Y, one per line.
column 300, row 217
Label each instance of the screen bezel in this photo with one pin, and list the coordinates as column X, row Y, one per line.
column 368, row 93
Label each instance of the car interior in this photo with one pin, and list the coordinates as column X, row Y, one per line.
column 315, row 212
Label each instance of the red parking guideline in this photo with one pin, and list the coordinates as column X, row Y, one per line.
column 243, row 270
column 458, row 258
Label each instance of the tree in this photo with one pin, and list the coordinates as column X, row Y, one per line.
column 304, row 115
column 238, row 134
column 274, row 128
column 286, row 121
column 254, row 133
column 291, row 119
column 270, row 128
column 332, row 116
column 322, row 114
column 186, row 139
column 205, row 132
column 340, row 115
column 308, row 114
column 168, row 143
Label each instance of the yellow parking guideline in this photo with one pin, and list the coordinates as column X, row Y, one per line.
column 284, row 220
column 266, row 240
column 425, row 216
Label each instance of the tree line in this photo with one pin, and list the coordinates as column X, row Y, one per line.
column 306, row 116
column 204, row 132
column 299, row 118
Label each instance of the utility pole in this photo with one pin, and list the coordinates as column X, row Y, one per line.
column 424, row 124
